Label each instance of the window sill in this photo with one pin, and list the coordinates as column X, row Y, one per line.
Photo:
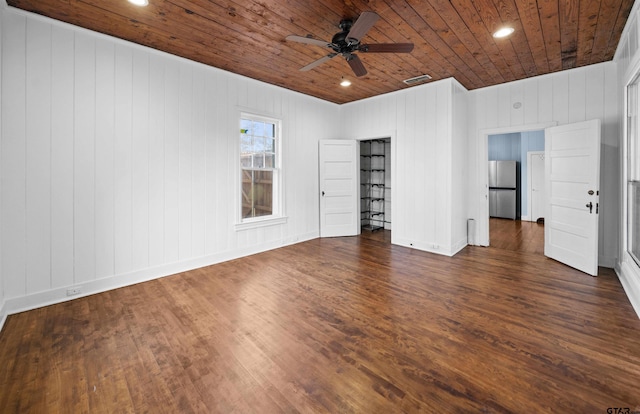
column 261, row 222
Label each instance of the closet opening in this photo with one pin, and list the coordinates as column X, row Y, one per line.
column 375, row 185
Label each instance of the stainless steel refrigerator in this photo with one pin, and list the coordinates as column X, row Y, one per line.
column 503, row 186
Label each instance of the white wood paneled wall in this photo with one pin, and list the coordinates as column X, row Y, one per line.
column 459, row 166
column 426, row 150
column 564, row 97
column 118, row 162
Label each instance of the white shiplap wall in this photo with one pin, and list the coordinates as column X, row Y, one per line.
column 459, row 166
column 428, row 150
column 118, row 162
column 628, row 61
column 564, row 97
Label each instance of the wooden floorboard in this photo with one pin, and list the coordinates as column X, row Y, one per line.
column 517, row 235
column 337, row 325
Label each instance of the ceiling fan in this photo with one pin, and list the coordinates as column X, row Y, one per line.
column 347, row 43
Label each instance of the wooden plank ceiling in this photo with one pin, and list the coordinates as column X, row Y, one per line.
column 451, row 37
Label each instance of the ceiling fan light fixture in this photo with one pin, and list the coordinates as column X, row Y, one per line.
column 345, row 82
column 504, row 32
column 140, row 3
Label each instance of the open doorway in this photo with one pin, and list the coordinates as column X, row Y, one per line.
column 572, row 152
column 482, row 225
column 375, row 185
column 516, row 190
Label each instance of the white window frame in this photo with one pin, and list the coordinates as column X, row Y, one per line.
column 627, row 263
column 631, row 166
column 278, row 214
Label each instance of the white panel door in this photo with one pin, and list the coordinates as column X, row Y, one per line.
column 572, row 169
column 339, row 204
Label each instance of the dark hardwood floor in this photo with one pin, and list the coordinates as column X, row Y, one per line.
column 335, row 325
column 517, row 235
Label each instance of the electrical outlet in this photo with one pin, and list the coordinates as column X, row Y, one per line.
column 74, row 291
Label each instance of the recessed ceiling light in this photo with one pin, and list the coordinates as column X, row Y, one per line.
column 345, row 82
column 504, row 32
column 139, row 2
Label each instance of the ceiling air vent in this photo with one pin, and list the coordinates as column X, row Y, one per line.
column 416, row 80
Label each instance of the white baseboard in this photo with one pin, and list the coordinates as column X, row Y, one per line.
column 431, row 247
column 3, row 314
column 58, row 295
column 629, row 277
column 456, row 247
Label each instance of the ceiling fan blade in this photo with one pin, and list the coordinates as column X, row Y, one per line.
column 308, row 40
column 318, row 62
column 362, row 25
column 387, row 48
column 356, row 65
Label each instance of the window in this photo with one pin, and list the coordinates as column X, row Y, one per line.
column 260, row 167
column 633, row 172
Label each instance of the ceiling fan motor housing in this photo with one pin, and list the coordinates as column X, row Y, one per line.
column 345, row 25
column 340, row 43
